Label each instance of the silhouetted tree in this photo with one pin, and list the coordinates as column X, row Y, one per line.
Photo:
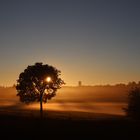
column 38, row 83
column 133, row 108
column 132, row 84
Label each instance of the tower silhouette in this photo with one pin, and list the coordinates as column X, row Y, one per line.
column 79, row 83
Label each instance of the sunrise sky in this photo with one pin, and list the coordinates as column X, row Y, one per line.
column 95, row 41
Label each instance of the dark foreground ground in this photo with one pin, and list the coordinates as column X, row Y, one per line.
column 64, row 125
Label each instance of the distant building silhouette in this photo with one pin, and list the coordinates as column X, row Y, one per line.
column 79, row 83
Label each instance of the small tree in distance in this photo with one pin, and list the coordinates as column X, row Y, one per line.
column 38, row 83
column 133, row 108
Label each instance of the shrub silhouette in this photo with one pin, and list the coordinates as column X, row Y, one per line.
column 38, row 83
column 133, row 108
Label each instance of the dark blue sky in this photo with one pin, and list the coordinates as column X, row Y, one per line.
column 96, row 41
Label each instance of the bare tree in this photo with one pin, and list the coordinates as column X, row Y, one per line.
column 38, row 83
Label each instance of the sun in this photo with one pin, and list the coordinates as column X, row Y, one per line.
column 48, row 79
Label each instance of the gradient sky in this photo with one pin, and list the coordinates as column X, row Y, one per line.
column 95, row 41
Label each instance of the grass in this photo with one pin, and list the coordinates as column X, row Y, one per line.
column 68, row 125
column 18, row 122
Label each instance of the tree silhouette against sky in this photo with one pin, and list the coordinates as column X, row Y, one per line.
column 133, row 108
column 38, row 83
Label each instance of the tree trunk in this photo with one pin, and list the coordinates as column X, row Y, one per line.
column 41, row 106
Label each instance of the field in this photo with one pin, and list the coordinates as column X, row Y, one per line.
column 106, row 99
column 75, row 113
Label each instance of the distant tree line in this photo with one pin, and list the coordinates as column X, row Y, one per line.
column 129, row 85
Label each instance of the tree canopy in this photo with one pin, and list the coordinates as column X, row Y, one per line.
column 38, row 83
column 133, row 108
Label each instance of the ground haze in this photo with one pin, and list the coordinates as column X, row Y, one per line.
column 76, row 112
column 92, row 99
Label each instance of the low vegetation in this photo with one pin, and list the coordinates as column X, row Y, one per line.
column 133, row 107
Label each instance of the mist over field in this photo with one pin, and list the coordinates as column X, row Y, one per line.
column 92, row 99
